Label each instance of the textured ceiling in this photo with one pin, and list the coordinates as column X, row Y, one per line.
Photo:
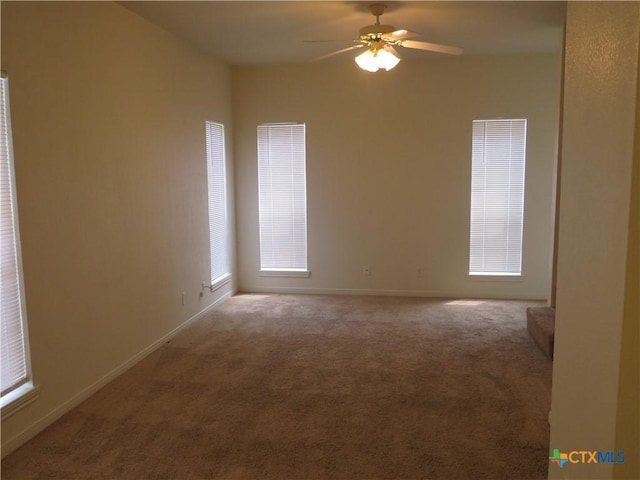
column 245, row 33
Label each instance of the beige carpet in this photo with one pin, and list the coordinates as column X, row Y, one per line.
column 317, row 387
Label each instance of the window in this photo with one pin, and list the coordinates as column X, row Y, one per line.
column 218, row 219
column 282, row 198
column 497, row 196
column 14, row 361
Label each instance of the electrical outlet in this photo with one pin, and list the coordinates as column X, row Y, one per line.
column 420, row 272
column 366, row 270
column 184, row 294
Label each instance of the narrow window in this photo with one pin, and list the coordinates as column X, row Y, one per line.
column 14, row 359
column 282, row 198
column 218, row 218
column 497, row 196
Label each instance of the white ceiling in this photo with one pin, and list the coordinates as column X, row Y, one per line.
column 264, row 32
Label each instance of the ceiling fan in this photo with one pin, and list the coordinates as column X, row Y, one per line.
column 380, row 41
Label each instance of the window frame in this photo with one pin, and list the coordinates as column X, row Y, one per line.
column 218, row 276
column 517, row 162
column 23, row 391
column 298, row 193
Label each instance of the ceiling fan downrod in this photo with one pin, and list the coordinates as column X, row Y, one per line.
column 375, row 32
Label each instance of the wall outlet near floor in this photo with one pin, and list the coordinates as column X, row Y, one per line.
column 184, row 294
column 420, row 272
column 366, row 270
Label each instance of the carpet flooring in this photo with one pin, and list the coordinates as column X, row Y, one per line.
column 317, row 387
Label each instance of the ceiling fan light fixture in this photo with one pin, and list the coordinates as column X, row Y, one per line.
column 388, row 57
column 373, row 60
column 367, row 61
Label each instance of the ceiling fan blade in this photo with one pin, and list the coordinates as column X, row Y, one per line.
column 338, row 52
column 330, row 41
column 432, row 47
column 400, row 35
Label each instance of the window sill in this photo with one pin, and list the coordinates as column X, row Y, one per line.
column 484, row 277
column 285, row 273
column 18, row 399
column 220, row 282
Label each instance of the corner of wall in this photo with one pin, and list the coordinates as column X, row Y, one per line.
column 628, row 413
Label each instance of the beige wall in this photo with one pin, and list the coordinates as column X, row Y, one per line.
column 599, row 128
column 108, row 121
column 388, row 169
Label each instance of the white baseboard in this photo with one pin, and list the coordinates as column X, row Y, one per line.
column 391, row 293
column 36, row 427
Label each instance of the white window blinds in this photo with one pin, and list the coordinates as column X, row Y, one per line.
column 497, row 196
column 282, row 197
column 13, row 355
column 218, row 219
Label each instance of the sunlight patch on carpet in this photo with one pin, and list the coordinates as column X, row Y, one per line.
column 464, row 303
